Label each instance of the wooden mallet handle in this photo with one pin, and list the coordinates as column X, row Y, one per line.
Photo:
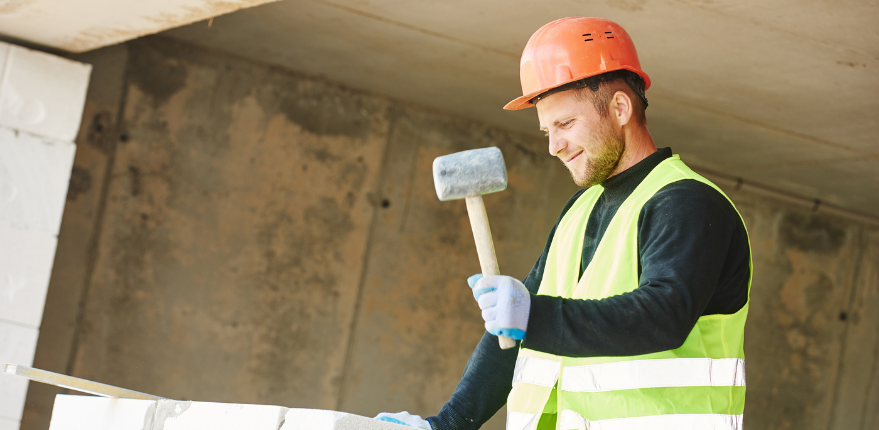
column 485, row 248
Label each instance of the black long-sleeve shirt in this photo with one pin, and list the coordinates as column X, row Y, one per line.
column 693, row 261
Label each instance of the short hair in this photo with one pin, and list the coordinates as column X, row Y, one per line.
column 603, row 87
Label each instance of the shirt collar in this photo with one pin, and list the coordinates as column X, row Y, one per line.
column 626, row 181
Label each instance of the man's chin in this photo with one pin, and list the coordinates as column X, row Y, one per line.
column 584, row 181
column 588, row 179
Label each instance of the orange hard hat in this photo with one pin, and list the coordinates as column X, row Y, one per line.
column 571, row 49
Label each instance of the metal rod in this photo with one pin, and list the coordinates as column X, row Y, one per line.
column 77, row 384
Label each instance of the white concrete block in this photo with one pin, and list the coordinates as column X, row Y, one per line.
column 34, row 174
column 4, row 54
column 17, row 345
column 174, row 415
column 316, row 419
column 101, row 413
column 8, row 424
column 26, row 259
column 98, row 413
column 42, row 93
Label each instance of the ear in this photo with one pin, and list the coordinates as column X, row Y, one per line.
column 621, row 108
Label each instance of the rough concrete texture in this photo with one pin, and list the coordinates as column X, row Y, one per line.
column 233, row 235
column 270, row 238
column 811, row 340
column 100, row 413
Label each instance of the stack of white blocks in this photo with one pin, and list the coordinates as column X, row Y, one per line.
column 41, row 103
column 98, row 413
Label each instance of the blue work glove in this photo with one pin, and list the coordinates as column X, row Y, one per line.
column 404, row 418
column 505, row 304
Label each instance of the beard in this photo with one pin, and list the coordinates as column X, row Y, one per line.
column 599, row 167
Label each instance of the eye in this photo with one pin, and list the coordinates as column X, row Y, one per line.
column 567, row 123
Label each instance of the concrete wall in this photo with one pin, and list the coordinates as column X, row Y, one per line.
column 240, row 233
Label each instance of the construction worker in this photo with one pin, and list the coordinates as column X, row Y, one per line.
column 633, row 317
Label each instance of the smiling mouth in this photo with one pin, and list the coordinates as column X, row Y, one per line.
column 575, row 156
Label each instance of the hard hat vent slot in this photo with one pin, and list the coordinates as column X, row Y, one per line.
column 591, row 38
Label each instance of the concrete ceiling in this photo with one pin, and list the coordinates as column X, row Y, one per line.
column 781, row 93
column 83, row 25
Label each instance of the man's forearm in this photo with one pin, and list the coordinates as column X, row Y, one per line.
column 483, row 389
column 635, row 323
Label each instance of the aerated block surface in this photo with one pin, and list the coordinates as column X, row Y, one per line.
column 41, row 93
column 25, row 266
column 17, row 345
column 34, row 174
column 99, row 413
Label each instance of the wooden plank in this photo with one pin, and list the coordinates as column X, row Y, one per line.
column 78, row 384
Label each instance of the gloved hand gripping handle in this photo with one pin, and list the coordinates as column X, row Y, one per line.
column 485, row 248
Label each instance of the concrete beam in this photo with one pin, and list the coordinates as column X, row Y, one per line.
column 83, row 25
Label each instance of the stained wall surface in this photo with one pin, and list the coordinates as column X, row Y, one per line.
column 241, row 233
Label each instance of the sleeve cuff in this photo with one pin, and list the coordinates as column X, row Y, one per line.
column 449, row 419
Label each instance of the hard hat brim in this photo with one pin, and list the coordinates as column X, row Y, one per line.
column 524, row 101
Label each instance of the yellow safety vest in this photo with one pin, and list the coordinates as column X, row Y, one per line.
column 699, row 386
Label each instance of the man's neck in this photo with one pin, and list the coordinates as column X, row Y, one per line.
column 639, row 145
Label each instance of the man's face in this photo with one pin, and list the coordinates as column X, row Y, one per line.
column 586, row 143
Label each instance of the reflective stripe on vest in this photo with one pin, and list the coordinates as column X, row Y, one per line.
column 571, row 420
column 668, row 372
column 700, row 385
column 521, row 421
column 537, row 371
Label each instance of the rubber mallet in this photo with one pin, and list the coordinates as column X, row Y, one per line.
column 469, row 175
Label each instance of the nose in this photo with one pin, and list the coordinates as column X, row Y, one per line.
column 557, row 144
